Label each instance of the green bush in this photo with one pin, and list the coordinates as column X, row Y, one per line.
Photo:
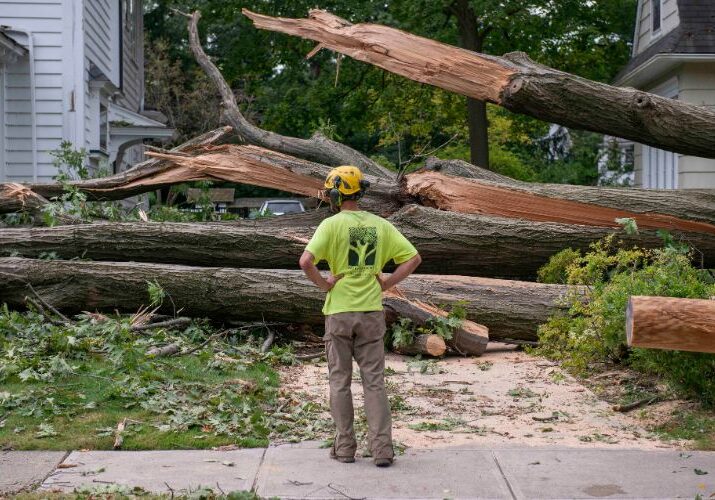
column 592, row 331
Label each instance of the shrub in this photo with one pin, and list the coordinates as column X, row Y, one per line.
column 592, row 331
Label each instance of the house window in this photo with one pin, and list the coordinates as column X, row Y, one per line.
column 655, row 15
column 103, row 127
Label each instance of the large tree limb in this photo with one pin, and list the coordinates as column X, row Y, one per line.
column 114, row 187
column 476, row 196
column 514, row 82
column 450, row 243
column 510, row 309
column 318, row 148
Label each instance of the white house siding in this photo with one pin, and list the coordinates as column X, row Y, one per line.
column 697, row 86
column 101, row 40
column 656, row 168
column 101, row 17
column 133, row 66
column 44, row 19
column 644, row 33
column 133, row 72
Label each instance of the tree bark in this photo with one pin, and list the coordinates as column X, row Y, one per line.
column 671, row 323
column 449, row 243
column 509, row 309
column 318, row 148
column 514, row 82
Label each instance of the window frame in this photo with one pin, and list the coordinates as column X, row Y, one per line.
column 655, row 32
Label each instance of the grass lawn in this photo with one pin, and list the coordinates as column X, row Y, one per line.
column 695, row 425
column 67, row 387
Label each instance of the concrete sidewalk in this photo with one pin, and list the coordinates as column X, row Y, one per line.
column 305, row 471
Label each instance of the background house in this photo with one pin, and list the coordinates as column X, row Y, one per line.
column 71, row 70
column 673, row 56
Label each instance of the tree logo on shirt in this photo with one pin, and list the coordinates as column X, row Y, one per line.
column 363, row 246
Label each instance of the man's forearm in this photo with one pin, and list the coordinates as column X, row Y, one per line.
column 402, row 272
column 313, row 274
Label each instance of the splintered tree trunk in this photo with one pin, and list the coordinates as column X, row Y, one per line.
column 114, row 187
column 514, row 82
column 449, row 243
column 510, row 309
column 224, row 163
column 600, row 207
column 19, row 198
column 671, row 323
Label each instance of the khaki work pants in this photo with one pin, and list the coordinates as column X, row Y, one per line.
column 359, row 335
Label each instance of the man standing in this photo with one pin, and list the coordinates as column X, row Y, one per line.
column 357, row 245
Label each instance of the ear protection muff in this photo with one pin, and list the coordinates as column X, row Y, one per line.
column 336, row 197
column 364, row 185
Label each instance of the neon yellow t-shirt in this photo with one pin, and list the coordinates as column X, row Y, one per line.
column 357, row 245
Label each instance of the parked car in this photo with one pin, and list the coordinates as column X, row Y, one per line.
column 281, row 207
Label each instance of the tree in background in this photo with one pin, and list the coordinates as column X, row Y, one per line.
column 395, row 120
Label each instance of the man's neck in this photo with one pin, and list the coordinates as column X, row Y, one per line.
column 349, row 206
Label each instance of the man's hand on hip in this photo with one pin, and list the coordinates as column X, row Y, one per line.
column 330, row 282
column 383, row 282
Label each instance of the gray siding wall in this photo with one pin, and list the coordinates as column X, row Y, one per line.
column 101, row 30
column 44, row 19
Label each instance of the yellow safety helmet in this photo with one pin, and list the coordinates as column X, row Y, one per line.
column 347, row 179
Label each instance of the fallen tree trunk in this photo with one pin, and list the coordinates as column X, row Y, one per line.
column 510, row 309
column 450, row 243
column 514, row 82
column 671, row 323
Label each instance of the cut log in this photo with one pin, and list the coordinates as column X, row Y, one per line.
column 470, row 338
column 671, row 323
column 450, row 243
column 514, row 82
column 425, row 344
column 510, row 309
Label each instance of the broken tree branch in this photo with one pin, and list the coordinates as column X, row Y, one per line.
column 514, row 82
column 113, row 186
column 318, row 148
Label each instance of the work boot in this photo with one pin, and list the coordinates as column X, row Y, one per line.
column 344, row 460
column 383, row 462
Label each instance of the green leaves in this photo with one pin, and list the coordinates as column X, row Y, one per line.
column 45, row 430
column 593, row 329
column 156, row 293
